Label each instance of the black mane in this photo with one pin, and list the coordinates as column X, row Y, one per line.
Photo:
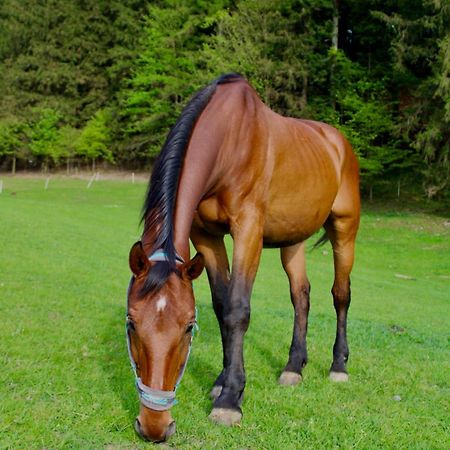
column 159, row 204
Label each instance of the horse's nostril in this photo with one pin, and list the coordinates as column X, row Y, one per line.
column 137, row 428
column 170, row 430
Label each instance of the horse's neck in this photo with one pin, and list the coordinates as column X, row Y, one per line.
column 197, row 176
column 200, row 169
column 195, row 179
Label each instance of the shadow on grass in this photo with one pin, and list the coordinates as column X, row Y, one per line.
column 272, row 357
column 115, row 364
column 203, row 368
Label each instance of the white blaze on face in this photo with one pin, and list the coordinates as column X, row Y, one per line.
column 161, row 304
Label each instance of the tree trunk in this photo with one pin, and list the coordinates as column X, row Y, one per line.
column 304, row 97
column 93, row 165
column 335, row 32
column 13, row 168
column 334, row 49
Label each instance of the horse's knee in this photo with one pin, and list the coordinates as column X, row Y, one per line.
column 237, row 315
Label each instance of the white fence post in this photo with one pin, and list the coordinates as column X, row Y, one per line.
column 46, row 183
column 1, row 186
column 91, row 180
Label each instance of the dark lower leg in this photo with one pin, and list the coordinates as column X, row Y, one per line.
column 219, row 293
column 247, row 236
column 298, row 353
column 342, row 232
column 341, row 299
column 236, row 317
column 218, row 270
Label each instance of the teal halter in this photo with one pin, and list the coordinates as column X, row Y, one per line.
column 156, row 399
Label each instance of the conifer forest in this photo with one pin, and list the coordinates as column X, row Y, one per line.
column 86, row 83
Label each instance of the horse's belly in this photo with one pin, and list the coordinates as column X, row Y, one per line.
column 301, row 194
column 290, row 215
column 291, row 220
column 290, row 229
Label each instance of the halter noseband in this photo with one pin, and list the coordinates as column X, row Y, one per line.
column 156, row 399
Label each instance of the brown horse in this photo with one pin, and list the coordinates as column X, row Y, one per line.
column 232, row 165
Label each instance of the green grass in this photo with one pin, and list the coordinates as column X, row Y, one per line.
column 65, row 377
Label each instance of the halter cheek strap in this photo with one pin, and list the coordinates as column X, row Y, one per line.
column 156, row 399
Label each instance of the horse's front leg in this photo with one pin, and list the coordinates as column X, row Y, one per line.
column 218, row 270
column 247, row 236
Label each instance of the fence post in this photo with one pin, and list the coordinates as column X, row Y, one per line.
column 91, row 180
column 1, row 186
column 46, row 183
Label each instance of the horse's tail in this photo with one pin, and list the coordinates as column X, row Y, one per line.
column 322, row 240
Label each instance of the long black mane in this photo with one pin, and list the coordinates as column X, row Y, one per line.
column 159, row 204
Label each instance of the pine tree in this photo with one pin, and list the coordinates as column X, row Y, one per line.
column 421, row 56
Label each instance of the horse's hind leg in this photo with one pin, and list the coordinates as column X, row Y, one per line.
column 342, row 233
column 293, row 259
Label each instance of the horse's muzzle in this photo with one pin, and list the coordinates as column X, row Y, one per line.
column 159, row 437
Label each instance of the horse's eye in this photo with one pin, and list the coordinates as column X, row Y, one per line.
column 130, row 325
column 189, row 328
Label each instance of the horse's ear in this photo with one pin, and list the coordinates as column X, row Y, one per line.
column 193, row 268
column 138, row 259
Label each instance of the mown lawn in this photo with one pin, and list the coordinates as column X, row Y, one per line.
column 65, row 380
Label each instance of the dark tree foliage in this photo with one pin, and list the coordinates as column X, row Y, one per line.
column 72, row 57
column 83, row 81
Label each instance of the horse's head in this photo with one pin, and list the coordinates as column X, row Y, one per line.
column 160, row 324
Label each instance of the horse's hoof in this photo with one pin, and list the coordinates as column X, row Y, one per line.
column 290, row 378
column 224, row 416
column 338, row 377
column 215, row 392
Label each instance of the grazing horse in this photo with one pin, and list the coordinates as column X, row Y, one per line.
column 232, row 165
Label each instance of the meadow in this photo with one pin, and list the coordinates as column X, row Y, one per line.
column 65, row 379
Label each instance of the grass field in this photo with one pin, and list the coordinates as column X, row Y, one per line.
column 65, row 376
